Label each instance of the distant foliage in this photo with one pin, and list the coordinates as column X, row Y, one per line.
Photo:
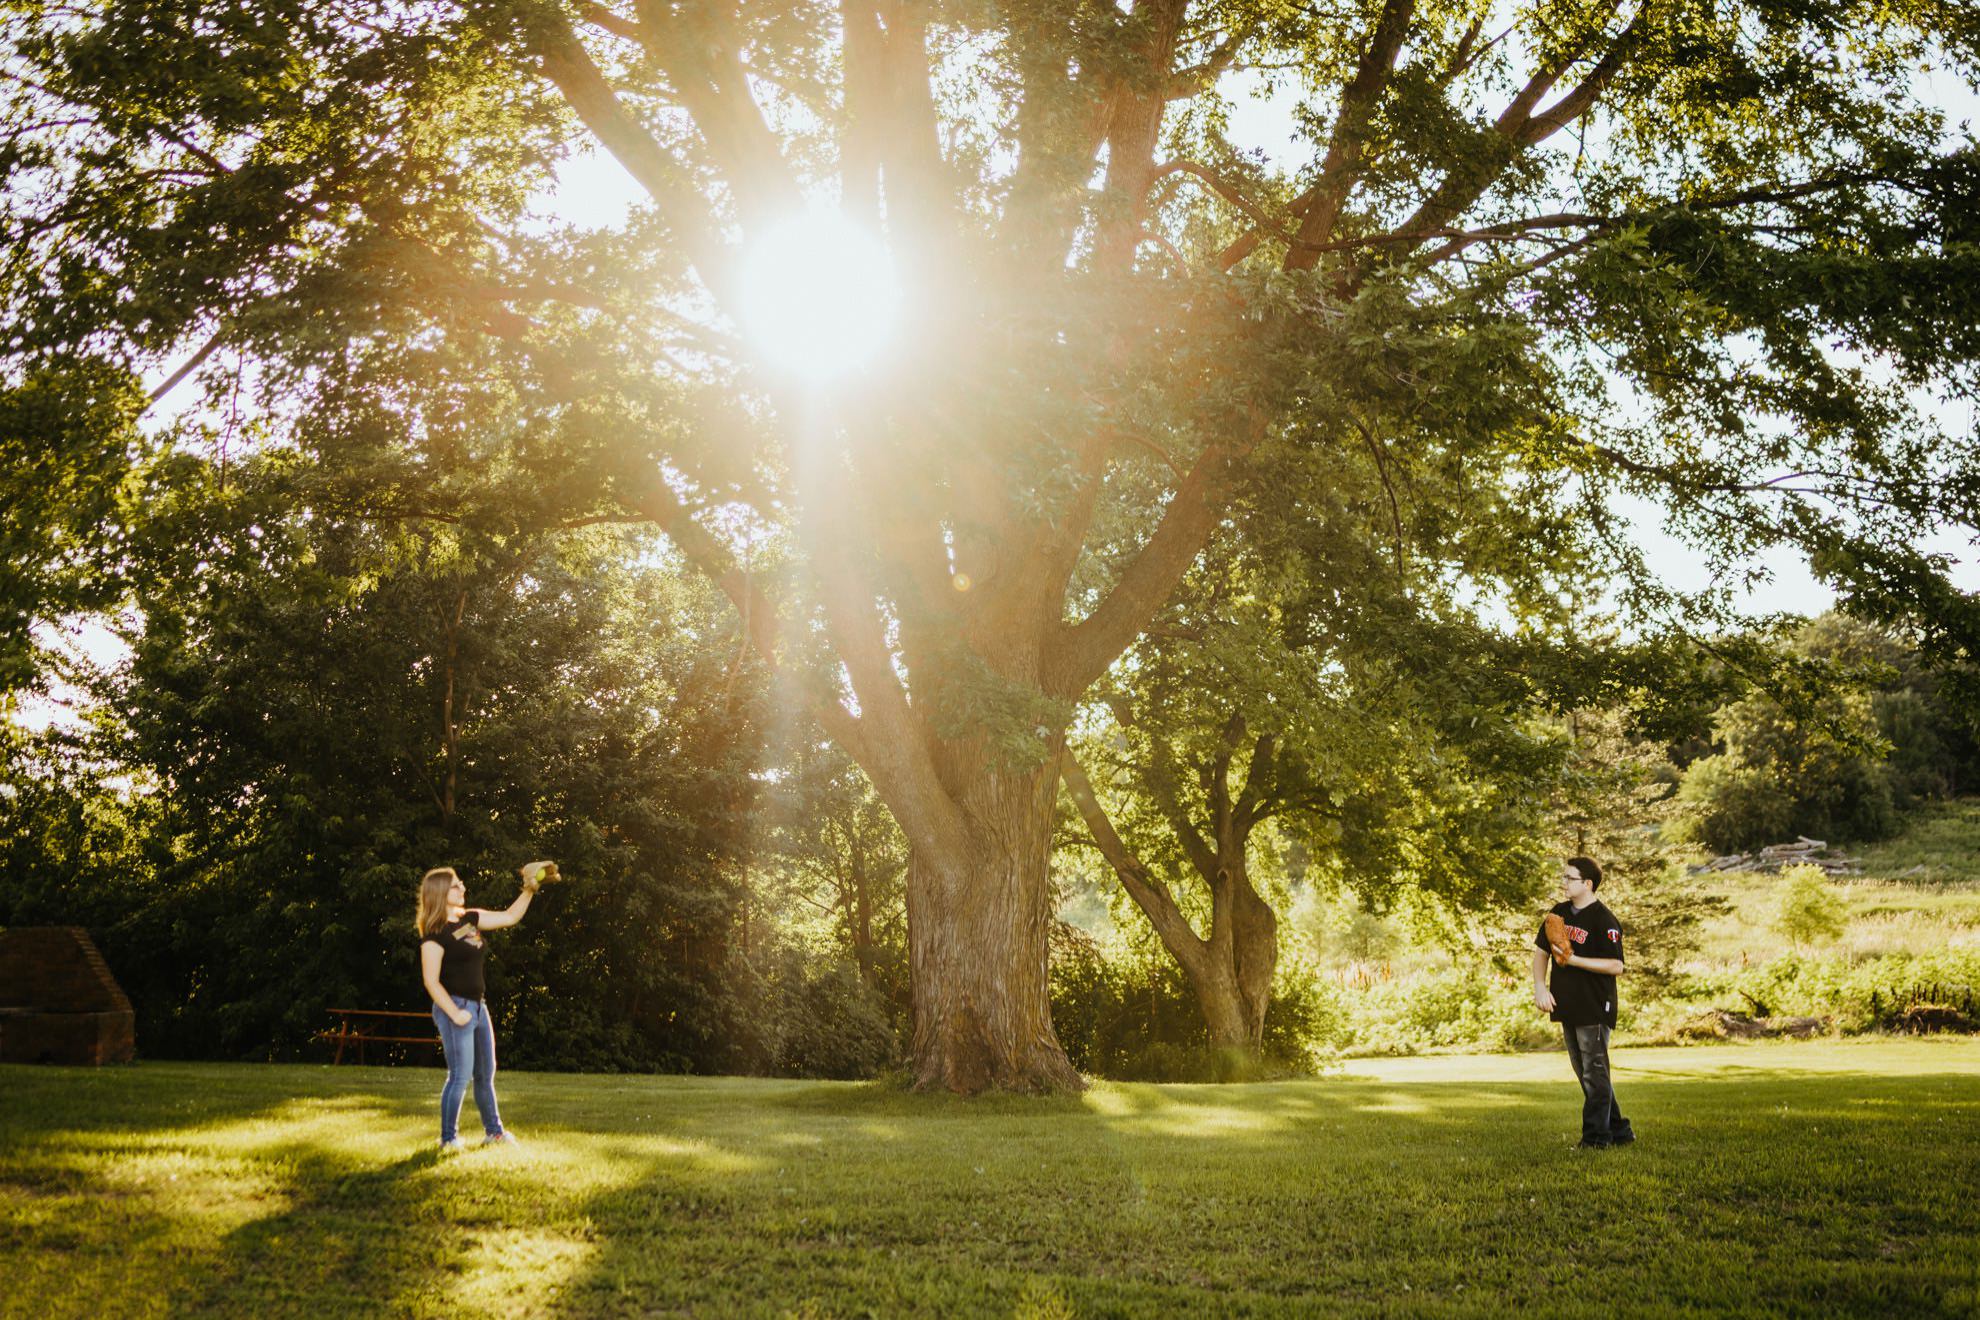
column 1616, row 807
column 812, row 1016
column 1868, row 732
column 1855, row 996
column 317, row 710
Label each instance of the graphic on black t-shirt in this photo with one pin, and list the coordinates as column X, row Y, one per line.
column 463, row 954
column 1583, row 998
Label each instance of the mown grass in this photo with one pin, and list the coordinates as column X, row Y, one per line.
column 1814, row 1179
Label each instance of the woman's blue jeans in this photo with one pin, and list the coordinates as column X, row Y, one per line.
column 470, row 1054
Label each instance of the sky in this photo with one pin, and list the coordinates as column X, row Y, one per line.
column 595, row 190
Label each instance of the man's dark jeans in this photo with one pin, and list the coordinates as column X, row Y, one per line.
column 1602, row 1123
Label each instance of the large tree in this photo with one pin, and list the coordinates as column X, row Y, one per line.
column 1624, row 237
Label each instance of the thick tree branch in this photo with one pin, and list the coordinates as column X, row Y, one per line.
column 703, row 63
column 875, row 748
column 1083, row 651
column 867, row 109
column 1053, row 549
column 898, row 756
column 1519, row 129
column 1342, row 165
column 192, row 364
column 1202, row 77
column 600, row 17
column 1160, row 781
column 1149, row 893
column 919, row 201
column 1225, row 189
column 1139, row 99
column 1260, row 781
column 572, row 72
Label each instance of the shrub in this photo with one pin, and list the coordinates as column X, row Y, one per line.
column 1856, row 997
column 832, row 1024
column 1460, row 1007
column 1811, row 911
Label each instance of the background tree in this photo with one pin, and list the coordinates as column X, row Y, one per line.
column 1615, row 804
column 844, row 860
column 68, row 443
column 321, row 708
column 1811, row 912
column 1858, row 730
column 1622, row 237
column 1313, row 695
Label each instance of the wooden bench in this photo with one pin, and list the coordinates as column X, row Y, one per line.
column 376, row 1026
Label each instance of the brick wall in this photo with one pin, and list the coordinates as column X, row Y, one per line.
column 58, row 1001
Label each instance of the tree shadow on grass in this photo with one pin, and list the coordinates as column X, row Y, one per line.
column 354, row 1238
column 893, row 1100
column 40, row 1101
column 139, row 1195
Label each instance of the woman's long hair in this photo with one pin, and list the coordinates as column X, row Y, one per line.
column 433, row 887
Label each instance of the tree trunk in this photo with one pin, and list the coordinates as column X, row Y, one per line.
column 1254, row 955
column 979, row 956
column 1232, row 977
column 1223, row 1009
column 449, row 728
column 1230, row 972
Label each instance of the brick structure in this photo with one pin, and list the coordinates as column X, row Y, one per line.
column 58, row 1001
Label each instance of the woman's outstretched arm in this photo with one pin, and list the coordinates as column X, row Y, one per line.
column 510, row 915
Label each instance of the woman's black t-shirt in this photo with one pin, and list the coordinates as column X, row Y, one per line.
column 462, row 953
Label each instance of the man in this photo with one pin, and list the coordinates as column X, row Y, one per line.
column 1583, row 940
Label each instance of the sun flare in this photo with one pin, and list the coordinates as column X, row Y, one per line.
column 820, row 297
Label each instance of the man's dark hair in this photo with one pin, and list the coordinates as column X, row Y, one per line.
column 1589, row 871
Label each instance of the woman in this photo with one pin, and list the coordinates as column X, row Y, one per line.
column 451, row 958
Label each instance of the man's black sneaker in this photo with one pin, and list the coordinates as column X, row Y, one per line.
column 1593, row 1145
column 1622, row 1138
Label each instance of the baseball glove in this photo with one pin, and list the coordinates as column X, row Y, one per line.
column 536, row 873
column 1557, row 937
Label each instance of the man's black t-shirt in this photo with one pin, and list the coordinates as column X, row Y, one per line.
column 1583, row 998
column 462, row 953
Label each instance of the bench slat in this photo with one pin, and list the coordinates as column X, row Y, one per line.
column 361, row 1025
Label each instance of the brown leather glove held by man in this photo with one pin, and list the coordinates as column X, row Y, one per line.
column 1557, row 937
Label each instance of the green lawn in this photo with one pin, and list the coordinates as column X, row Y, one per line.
column 1813, row 1179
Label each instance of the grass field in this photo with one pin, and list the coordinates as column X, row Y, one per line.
column 1833, row 1178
